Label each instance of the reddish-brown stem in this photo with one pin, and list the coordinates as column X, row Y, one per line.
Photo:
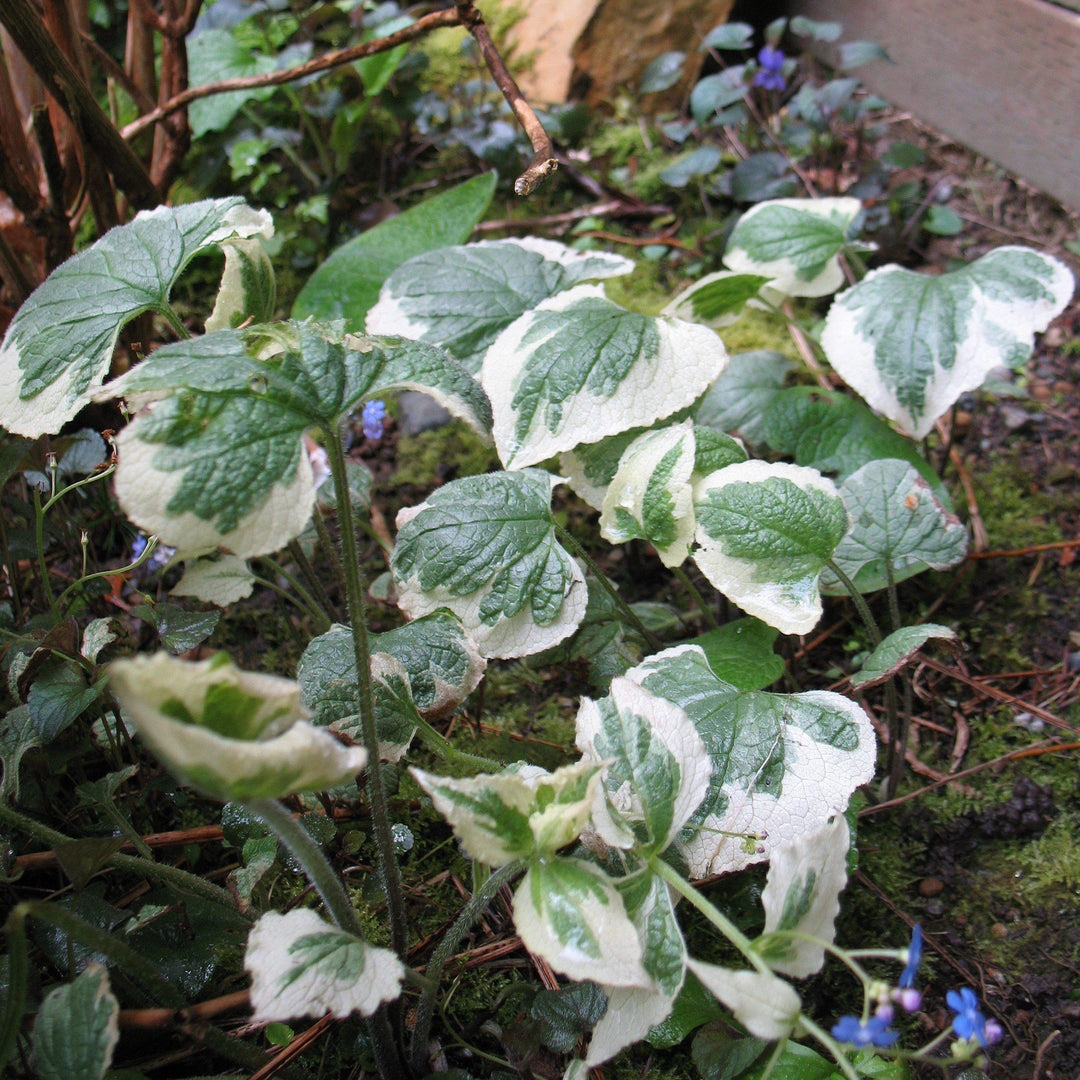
column 544, row 162
column 204, row 1010
column 1032, row 550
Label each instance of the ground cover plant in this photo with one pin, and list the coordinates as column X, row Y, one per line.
column 682, row 764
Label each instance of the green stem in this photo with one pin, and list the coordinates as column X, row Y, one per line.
column 15, row 999
column 11, row 564
column 831, row 1045
column 355, row 590
column 310, row 856
column 569, row 541
column 178, row 879
column 169, row 315
column 900, row 729
column 327, row 542
column 93, row 478
column 119, row 952
column 296, row 550
column 710, row 911
column 448, row 752
column 860, row 604
column 418, row 1049
column 39, row 543
column 695, row 592
column 774, row 1057
column 302, row 598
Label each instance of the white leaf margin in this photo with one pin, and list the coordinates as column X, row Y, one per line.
column 765, row 1005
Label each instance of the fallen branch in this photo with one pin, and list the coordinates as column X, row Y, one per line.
column 1033, row 549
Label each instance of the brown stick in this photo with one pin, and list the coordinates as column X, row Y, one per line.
column 1054, row 546
column 65, row 84
column 204, row 1010
column 544, row 162
column 276, row 78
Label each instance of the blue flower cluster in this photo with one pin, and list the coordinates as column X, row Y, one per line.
column 875, row 1032
column 372, row 419
column 771, row 74
column 969, row 1022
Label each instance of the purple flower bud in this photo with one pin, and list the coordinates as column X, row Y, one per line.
column 372, row 419
column 909, row 999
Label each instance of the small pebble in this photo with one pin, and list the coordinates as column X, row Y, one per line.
column 999, row 930
column 931, row 886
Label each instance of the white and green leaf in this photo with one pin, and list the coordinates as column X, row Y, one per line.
column 794, row 242
column 571, row 914
column 782, row 764
column 301, row 965
column 718, row 299
column 912, row 343
column 802, row 898
column 232, row 734
column 60, row 343
column 896, row 651
column 658, row 768
column 248, row 286
column 485, row 547
column 578, row 366
column 765, row 534
column 899, row 529
column 461, row 298
column 650, row 497
column 77, row 1028
column 766, row 1006
column 220, row 580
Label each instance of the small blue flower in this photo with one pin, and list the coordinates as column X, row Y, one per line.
column 875, row 1032
column 372, row 419
column 914, row 956
column 969, row 1022
column 771, row 74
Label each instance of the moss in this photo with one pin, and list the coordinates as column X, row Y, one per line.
column 1015, row 510
column 423, row 460
column 1054, row 858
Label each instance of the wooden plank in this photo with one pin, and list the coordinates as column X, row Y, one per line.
column 1000, row 76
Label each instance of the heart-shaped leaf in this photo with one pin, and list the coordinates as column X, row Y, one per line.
column 220, row 463
column 765, row 1005
column 59, row 346
column 895, row 651
column 898, row 527
column 76, row 1029
column 766, row 532
column 220, row 580
column 461, row 298
column 912, row 343
column 300, row 965
column 795, row 242
column 737, row 400
column 575, row 366
column 783, row 764
column 485, row 547
column 741, row 653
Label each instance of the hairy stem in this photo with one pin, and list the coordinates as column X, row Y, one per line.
column 15, row 999
column 695, row 592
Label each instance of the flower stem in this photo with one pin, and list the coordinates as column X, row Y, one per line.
column 354, row 588
column 576, row 549
column 831, row 1045
column 15, row 999
column 448, row 752
column 418, row 1049
column 310, row 856
column 695, row 592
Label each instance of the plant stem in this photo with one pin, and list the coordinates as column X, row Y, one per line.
column 899, row 734
column 310, row 856
column 15, row 999
column 296, row 550
column 448, row 752
column 354, row 588
column 303, row 599
column 178, row 879
column 710, row 911
column 39, row 544
column 860, row 604
column 695, row 592
column 169, row 315
column 418, row 1049
column 831, row 1045
column 569, row 541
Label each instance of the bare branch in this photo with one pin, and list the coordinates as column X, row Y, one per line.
column 544, row 162
column 275, row 78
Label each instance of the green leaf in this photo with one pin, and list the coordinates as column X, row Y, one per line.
column 714, row 450
column 58, row 696
column 82, row 859
column 904, row 155
column 942, row 221
column 736, row 35
column 232, row 734
column 485, row 547
column 782, row 764
column 248, row 287
column 567, row 1013
column 76, row 1029
column 796, row 1062
column 895, row 651
column 795, row 242
column 461, row 298
column 816, row 31
column 853, row 54
column 347, row 284
column 717, row 300
column 650, row 497
column 766, row 1006
column 573, row 368
column 658, row 769
column 215, row 54
column 741, row 653
column 259, row 854
column 19, row 733
column 897, row 523
column 303, row 966
column 179, row 630
column 216, row 579
column 737, row 399
column 911, row 343
column 835, row 433
column 716, row 92
column 765, row 175
column 693, row 1007
column 766, row 532
column 719, row 1056
column 698, row 162
column 663, row 73
column 802, row 897
column 590, row 467
column 522, row 812
column 220, row 463
column 570, row 913
column 59, row 346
